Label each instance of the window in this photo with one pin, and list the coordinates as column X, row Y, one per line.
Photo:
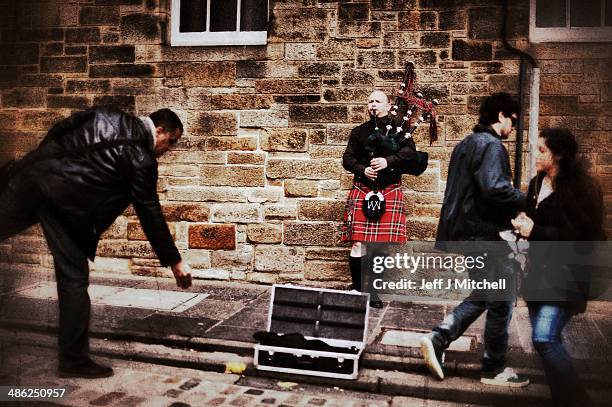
column 219, row 22
column 570, row 20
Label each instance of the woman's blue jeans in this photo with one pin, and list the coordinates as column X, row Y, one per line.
column 547, row 322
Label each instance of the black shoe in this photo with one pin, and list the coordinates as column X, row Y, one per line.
column 86, row 369
column 376, row 304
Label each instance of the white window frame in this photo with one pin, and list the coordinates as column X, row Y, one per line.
column 567, row 33
column 207, row 38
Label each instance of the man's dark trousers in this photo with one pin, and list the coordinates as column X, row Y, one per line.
column 20, row 208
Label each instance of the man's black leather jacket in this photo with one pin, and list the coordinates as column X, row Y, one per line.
column 87, row 191
column 479, row 200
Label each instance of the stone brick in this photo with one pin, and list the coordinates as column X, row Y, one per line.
column 206, row 194
column 435, row 40
column 354, row 11
column 280, row 212
column 130, row 249
column 235, row 175
column 63, row 64
column 297, row 99
column 393, row 4
column 558, row 105
column 203, row 73
column 231, row 143
column 197, row 258
column 300, row 188
column 76, row 50
column 327, row 271
column 316, row 136
column 192, row 157
column 246, row 158
column 264, row 233
column 304, row 169
column 212, row 236
column 418, row 20
column 140, row 29
column 38, row 120
column 426, row 182
column 82, row 35
column 287, row 86
column 264, row 118
column 355, row 95
column 240, row 101
column 118, row 2
column 313, row 25
column 354, row 77
column 24, row 97
column 339, row 133
column 87, row 86
column 420, row 58
column 452, row 20
column 375, row 59
column 319, row 209
column 318, row 113
column 401, row 39
column 279, row 258
column 135, row 231
column 284, row 140
column 111, row 53
column 187, row 212
column 236, row 213
column 367, row 42
column 422, row 228
column 300, row 51
column 310, row 233
column 472, row 51
column 265, row 194
column 121, row 71
column 239, row 259
column 359, row 29
column 337, row 50
column 127, row 103
column 214, row 123
column 99, row 16
column 503, row 83
column 318, row 69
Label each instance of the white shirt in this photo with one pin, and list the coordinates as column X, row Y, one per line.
column 545, row 190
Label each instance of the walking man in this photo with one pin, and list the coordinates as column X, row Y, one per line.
column 84, row 174
column 479, row 202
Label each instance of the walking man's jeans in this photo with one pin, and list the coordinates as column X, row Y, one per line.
column 547, row 322
column 20, row 208
column 498, row 317
column 499, row 313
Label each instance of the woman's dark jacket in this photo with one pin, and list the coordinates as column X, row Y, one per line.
column 557, row 241
column 359, row 152
column 479, row 200
column 87, row 191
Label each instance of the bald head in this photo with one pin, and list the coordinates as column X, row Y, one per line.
column 378, row 104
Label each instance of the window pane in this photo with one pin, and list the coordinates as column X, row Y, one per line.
column 550, row 13
column 193, row 16
column 254, row 15
column 223, row 15
column 609, row 13
column 585, row 13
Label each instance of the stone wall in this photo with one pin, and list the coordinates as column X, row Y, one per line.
column 255, row 189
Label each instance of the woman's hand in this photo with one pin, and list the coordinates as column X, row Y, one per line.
column 523, row 224
column 378, row 164
column 370, row 173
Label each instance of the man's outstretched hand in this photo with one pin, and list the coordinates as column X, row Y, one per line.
column 182, row 274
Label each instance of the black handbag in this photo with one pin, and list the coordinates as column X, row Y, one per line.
column 373, row 205
column 416, row 166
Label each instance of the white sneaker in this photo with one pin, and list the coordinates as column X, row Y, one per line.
column 507, row 378
column 434, row 359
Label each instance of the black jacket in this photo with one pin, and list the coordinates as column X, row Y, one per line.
column 559, row 238
column 87, row 191
column 479, row 200
column 356, row 157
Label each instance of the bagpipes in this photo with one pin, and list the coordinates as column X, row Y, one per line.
column 398, row 134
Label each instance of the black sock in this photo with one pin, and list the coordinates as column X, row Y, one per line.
column 355, row 266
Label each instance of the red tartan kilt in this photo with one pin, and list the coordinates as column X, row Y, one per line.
column 391, row 227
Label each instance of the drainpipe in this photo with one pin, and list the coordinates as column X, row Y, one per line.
column 534, row 102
